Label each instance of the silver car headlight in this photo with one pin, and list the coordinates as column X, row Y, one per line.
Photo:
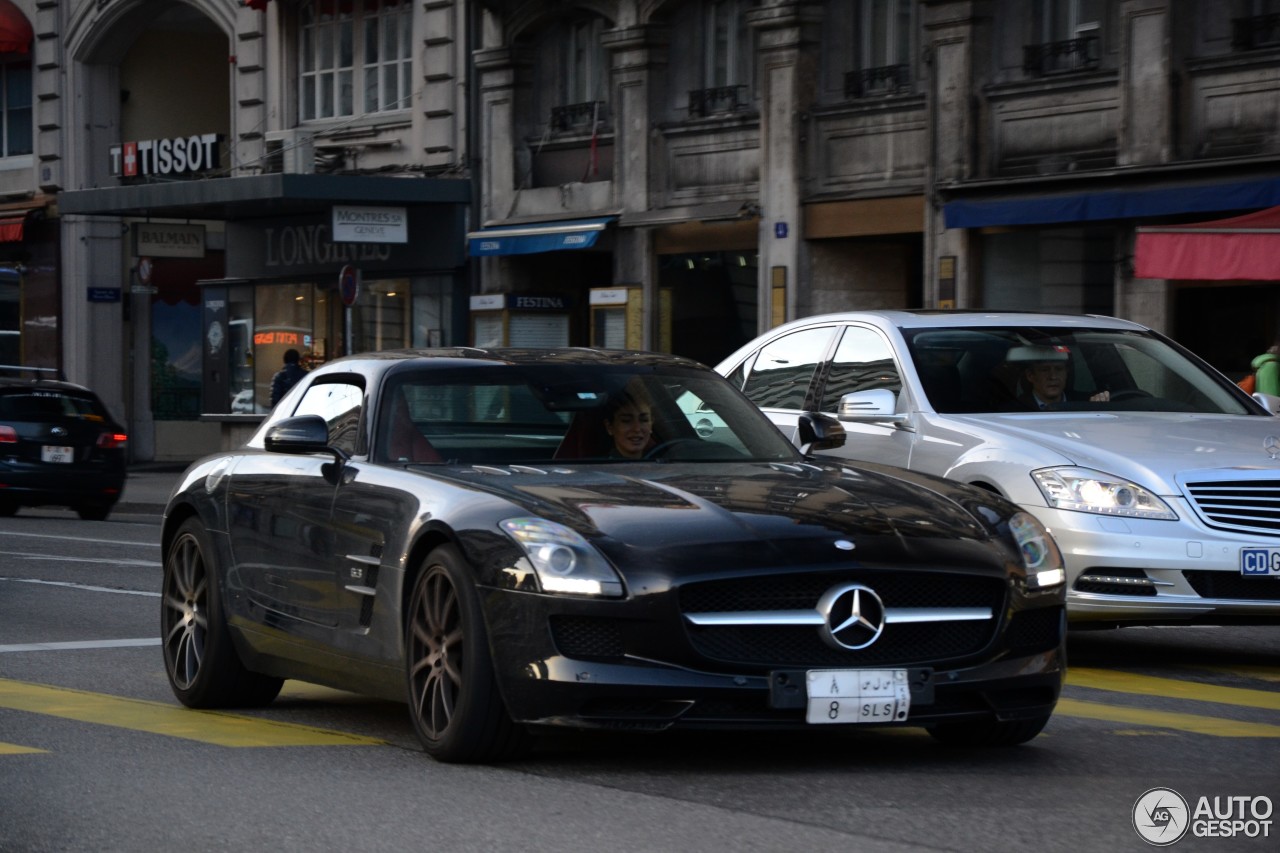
column 563, row 561
column 1084, row 490
column 1040, row 554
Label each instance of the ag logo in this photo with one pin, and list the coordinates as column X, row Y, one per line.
column 1161, row 816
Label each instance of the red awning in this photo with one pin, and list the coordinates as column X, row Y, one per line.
column 1242, row 247
column 15, row 29
column 11, row 227
column 260, row 5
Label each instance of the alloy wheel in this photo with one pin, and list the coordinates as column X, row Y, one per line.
column 186, row 611
column 435, row 653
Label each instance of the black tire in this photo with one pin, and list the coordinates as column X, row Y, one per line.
column 454, row 702
column 8, row 510
column 989, row 733
column 94, row 512
column 199, row 657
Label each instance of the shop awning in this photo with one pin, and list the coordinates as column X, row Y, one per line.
column 534, row 237
column 1049, row 208
column 15, row 29
column 1242, row 247
column 11, row 228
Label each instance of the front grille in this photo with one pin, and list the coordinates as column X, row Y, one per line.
column 803, row 645
column 1241, row 505
column 582, row 637
column 1233, row 585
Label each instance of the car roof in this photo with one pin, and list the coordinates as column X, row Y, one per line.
column 923, row 318
column 477, row 356
column 47, row 378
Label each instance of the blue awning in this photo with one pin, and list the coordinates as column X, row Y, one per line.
column 1113, row 204
column 534, row 237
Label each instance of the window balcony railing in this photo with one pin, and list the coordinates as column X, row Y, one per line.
column 1255, row 32
column 583, row 117
column 1057, row 56
column 885, row 80
column 718, row 99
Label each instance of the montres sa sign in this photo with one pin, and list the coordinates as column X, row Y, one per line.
column 177, row 156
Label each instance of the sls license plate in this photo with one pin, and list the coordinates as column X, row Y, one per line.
column 858, row 695
column 53, row 453
column 1260, row 562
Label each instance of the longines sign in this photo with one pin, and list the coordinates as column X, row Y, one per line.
column 304, row 245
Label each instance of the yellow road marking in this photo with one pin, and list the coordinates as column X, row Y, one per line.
column 15, row 749
column 1145, row 685
column 1263, row 673
column 1193, row 723
column 215, row 727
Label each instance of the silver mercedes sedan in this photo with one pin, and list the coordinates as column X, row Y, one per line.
column 1158, row 477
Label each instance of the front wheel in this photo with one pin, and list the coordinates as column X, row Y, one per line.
column 454, row 702
column 94, row 512
column 199, row 657
column 988, row 733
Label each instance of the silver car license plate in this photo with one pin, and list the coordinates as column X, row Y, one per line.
column 1260, row 562
column 858, row 696
column 56, row 453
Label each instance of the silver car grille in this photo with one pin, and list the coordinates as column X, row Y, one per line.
column 1233, row 500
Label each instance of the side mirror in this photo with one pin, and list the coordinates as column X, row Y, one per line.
column 876, row 405
column 817, row 431
column 302, row 434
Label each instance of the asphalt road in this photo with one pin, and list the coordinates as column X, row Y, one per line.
column 95, row 754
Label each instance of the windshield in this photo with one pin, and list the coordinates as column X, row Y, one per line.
column 538, row 414
column 1025, row 368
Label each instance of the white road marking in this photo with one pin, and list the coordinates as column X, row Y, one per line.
column 52, row 558
column 148, row 543
column 84, row 586
column 80, row 644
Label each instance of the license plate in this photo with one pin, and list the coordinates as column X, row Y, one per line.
column 1260, row 562
column 858, row 696
column 53, row 453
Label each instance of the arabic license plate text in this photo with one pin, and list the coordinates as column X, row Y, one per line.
column 858, row 696
column 54, row 453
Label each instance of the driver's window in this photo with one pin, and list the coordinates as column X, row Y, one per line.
column 339, row 403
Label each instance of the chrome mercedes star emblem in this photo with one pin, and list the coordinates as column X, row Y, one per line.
column 1271, row 444
column 59, row 431
column 853, row 616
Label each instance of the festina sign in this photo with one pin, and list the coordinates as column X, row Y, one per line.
column 178, row 156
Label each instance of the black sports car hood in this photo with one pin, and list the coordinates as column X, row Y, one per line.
column 786, row 513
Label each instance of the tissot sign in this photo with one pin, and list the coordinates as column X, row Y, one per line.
column 180, row 155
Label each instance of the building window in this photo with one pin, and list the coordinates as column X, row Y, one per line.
column 350, row 46
column 1069, row 34
column 16, row 108
column 882, row 64
column 726, row 72
column 584, row 63
column 1258, row 26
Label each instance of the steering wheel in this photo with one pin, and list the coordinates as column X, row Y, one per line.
column 1129, row 394
column 659, row 450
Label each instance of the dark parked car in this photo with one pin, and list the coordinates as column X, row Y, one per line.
column 58, row 445
column 517, row 539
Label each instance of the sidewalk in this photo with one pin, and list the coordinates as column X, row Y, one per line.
column 148, row 485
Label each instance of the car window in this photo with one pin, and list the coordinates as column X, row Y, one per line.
column 340, row 404
column 863, row 361
column 784, row 369
column 49, row 405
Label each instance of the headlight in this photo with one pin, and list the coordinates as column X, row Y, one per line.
column 1040, row 554
column 1093, row 491
column 562, row 559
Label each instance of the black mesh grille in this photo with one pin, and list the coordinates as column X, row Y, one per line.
column 581, row 637
column 1034, row 631
column 802, row 645
column 796, row 592
column 1232, row 585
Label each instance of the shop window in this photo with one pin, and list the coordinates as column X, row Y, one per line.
column 284, row 318
column 380, row 319
column 15, row 87
column 10, row 316
column 354, row 55
column 882, row 38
